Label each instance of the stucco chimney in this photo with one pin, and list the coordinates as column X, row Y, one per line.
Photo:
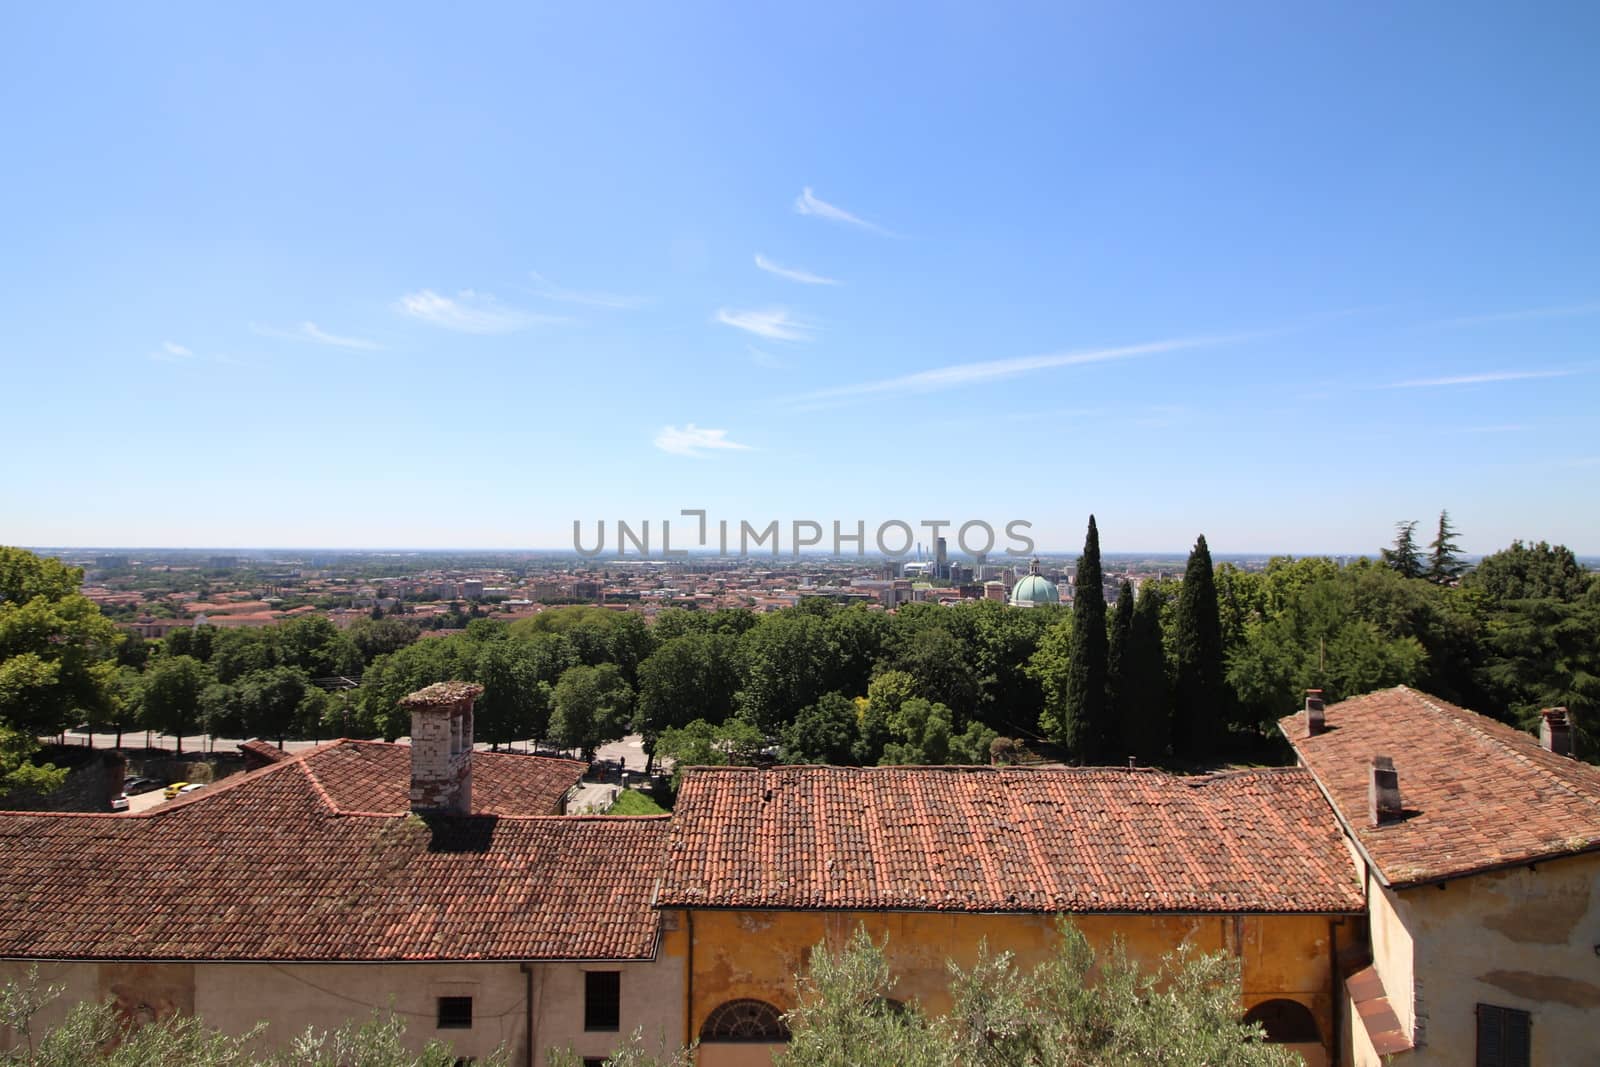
column 1555, row 731
column 441, row 747
column 1315, row 722
column 1383, row 791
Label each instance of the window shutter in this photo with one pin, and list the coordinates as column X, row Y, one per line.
column 1519, row 1038
column 1491, row 1036
column 1505, row 1037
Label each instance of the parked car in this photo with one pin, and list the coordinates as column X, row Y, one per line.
column 174, row 789
column 134, row 786
column 191, row 787
column 120, row 803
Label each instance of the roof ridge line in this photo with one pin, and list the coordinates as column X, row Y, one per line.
column 317, row 787
column 230, row 782
column 1511, row 750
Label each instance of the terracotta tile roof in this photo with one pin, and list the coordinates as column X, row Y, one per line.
column 1006, row 839
column 1377, row 1016
column 1476, row 793
column 275, row 865
column 258, row 753
column 370, row 776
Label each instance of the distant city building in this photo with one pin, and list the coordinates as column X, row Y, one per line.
column 941, row 562
column 472, row 589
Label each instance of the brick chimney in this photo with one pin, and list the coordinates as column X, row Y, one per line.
column 1383, row 791
column 1315, row 721
column 1555, row 731
column 441, row 747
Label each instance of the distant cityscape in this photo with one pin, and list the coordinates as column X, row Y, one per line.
column 151, row 592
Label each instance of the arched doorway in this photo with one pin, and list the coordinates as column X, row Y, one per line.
column 1287, row 1022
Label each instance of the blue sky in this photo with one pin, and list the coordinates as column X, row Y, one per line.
column 417, row 276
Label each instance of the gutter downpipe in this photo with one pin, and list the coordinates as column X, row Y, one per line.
column 1338, row 999
column 688, row 993
column 527, row 974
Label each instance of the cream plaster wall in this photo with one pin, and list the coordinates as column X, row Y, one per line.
column 233, row 997
column 1389, row 919
column 1521, row 938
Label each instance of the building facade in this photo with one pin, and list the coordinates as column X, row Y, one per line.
column 762, row 865
column 1478, row 849
column 430, row 880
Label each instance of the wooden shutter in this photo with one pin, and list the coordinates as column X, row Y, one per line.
column 1505, row 1037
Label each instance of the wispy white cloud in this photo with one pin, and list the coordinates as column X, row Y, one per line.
column 1566, row 311
column 968, row 374
column 468, row 312
column 171, row 352
column 692, row 440
column 1477, row 379
column 794, row 274
column 588, row 298
column 310, row 331
column 808, row 203
column 775, row 324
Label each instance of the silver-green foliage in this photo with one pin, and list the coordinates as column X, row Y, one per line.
column 1077, row 1009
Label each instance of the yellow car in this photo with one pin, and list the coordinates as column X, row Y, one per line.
column 174, row 789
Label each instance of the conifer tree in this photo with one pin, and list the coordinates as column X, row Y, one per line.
column 1444, row 555
column 1404, row 557
column 1084, row 711
column 1117, row 677
column 1145, row 697
column 1198, row 694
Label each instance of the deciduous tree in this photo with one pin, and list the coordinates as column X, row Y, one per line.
column 171, row 697
column 592, row 705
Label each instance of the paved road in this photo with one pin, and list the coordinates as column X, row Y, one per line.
column 630, row 748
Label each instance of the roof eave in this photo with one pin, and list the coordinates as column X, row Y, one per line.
column 1344, row 824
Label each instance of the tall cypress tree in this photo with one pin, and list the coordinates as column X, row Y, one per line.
column 1084, row 713
column 1198, row 692
column 1145, row 698
column 1117, row 676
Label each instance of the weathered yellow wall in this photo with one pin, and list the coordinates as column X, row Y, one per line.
column 1518, row 938
column 756, row 954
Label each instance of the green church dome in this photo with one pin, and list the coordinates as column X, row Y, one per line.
column 1034, row 589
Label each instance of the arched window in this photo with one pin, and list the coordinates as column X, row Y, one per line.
column 745, row 1020
column 1287, row 1022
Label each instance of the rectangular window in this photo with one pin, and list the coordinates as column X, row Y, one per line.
column 455, row 1013
column 602, row 1000
column 1505, row 1037
column 591, row 1061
